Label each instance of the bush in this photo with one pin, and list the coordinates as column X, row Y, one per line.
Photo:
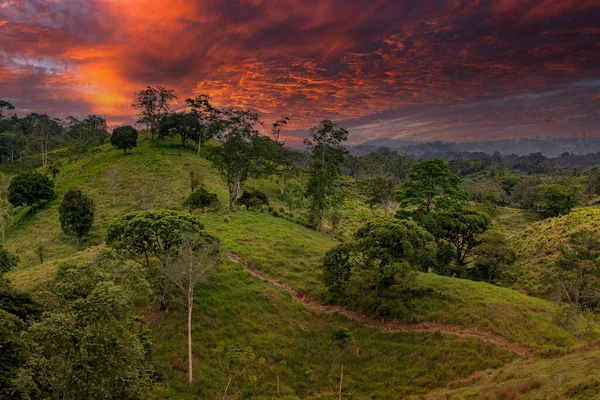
column 76, row 214
column 30, row 188
column 200, row 199
column 124, row 138
column 253, row 199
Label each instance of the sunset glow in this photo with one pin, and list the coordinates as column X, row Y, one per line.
column 426, row 70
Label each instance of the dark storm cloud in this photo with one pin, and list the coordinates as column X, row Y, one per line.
column 447, row 70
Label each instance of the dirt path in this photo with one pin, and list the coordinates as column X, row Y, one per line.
column 387, row 326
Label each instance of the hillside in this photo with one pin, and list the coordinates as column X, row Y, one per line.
column 538, row 245
column 236, row 306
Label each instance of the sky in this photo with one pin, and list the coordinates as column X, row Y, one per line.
column 450, row 70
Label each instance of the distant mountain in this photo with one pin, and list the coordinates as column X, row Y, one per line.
column 550, row 147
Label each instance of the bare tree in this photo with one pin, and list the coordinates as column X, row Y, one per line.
column 197, row 258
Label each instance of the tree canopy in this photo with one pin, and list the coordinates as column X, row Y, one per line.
column 30, row 188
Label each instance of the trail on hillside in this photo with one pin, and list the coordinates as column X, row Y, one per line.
column 386, row 326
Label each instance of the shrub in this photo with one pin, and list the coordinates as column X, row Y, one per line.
column 200, row 199
column 253, row 199
column 30, row 188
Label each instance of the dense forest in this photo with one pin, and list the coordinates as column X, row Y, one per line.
column 195, row 255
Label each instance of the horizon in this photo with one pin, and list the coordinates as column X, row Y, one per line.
column 452, row 71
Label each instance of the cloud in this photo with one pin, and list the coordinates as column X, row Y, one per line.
column 366, row 61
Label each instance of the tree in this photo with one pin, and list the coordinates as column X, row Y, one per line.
column 555, row 199
column 381, row 192
column 45, row 129
column 145, row 234
column 186, row 125
column 208, row 118
column 493, row 256
column 292, row 192
column 86, row 345
column 76, row 214
column 235, row 360
column 233, row 158
column 459, row 227
column 327, row 156
column 5, row 106
column 14, row 351
column 199, row 255
column 124, row 138
column 30, row 188
column 428, row 181
column 384, row 252
column 252, row 199
column 87, row 133
column 575, row 278
column 153, row 103
column 200, row 198
column 341, row 338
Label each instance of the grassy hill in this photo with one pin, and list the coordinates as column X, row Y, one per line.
column 538, row 245
column 573, row 376
column 235, row 306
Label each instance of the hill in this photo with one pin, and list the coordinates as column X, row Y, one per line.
column 236, row 306
column 538, row 245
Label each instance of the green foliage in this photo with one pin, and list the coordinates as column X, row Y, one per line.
column 429, row 181
column 325, row 144
column 555, row 199
column 86, row 346
column 493, row 256
column 14, row 352
column 30, row 188
column 381, row 193
column 384, row 252
column 124, row 138
column 460, row 227
column 8, row 261
column 151, row 233
column 153, row 103
column 201, row 199
column 76, row 214
column 253, row 199
column 341, row 337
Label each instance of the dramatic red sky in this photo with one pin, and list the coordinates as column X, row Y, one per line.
column 407, row 69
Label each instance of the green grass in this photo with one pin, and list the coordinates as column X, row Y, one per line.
column 538, row 246
column 573, row 376
column 234, row 306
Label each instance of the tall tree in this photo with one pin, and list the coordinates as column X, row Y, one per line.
column 45, row 129
column 381, row 193
column 146, row 234
column 153, row 103
column 325, row 144
column 428, row 181
column 76, row 214
column 199, row 255
column 208, row 116
column 233, row 158
column 341, row 338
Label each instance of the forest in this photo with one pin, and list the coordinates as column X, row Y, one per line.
column 197, row 255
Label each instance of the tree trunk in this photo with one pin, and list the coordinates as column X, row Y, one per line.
column 190, row 305
column 227, row 387
column 282, row 181
column 78, row 242
column 277, row 385
column 341, row 379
